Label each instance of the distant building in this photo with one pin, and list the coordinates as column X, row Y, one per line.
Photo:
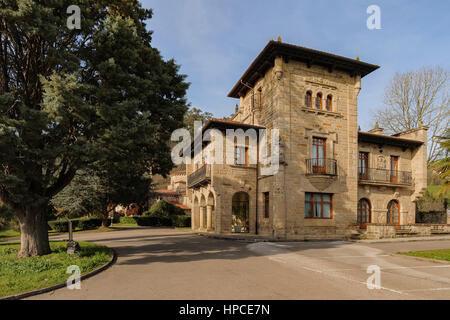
column 175, row 192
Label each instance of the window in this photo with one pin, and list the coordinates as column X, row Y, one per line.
column 308, row 99
column 329, row 102
column 363, row 165
column 393, row 214
column 318, row 206
column 394, row 169
column 319, row 101
column 319, row 154
column 241, row 156
column 260, row 97
column 266, row 205
column 364, row 213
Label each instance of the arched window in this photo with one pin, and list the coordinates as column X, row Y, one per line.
column 364, row 213
column 329, row 102
column 308, row 99
column 393, row 214
column 319, row 101
column 240, row 212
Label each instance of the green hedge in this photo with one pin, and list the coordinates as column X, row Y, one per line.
column 181, row 221
column 155, row 221
column 128, row 220
column 164, row 209
column 62, row 225
column 83, row 224
column 90, row 223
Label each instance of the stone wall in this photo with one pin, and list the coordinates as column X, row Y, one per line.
column 383, row 231
column 380, row 231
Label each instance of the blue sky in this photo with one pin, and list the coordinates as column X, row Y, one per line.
column 215, row 41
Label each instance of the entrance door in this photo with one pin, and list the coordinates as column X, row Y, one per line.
column 364, row 213
column 393, row 214
column 363, row 166
column 394, row 169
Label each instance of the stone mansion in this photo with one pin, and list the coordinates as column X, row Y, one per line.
column 333, row 181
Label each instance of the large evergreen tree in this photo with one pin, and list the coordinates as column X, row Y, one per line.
column 443, row 165
column 100, row 97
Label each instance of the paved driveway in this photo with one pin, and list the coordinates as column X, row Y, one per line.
column 174, row 264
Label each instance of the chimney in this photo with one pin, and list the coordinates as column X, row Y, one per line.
column 377, row 129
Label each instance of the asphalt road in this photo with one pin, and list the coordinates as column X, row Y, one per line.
column 176, row 264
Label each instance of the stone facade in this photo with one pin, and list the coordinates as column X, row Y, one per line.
column 273, row 94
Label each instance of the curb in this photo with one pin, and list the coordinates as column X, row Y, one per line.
column 264, row 239
column 400, row 240
column 62, row 285
column 445, row 262
column 256, row 239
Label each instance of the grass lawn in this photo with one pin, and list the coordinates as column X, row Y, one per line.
column 8, row 233
column 435, row 254
column 23, row 275
column 124, row 225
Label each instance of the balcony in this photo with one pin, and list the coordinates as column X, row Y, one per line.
column 327, row 167
column 384, row 177
column 200, row 177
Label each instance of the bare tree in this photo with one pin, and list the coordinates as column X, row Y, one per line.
column 415, row 98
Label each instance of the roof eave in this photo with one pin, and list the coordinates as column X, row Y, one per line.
column 301, row 53
column 389, row 140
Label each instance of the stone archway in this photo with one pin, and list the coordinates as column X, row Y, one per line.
column 203, row 218
column 364, row 213
column 210, row 212
column 393, row 213
column 240, row 213
column 196, row 214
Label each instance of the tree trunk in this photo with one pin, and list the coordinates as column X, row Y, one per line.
column 33, row 234
column 106, row 222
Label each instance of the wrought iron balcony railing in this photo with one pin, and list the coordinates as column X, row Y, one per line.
column 199, row 177
column 384, row 176
column 321, row 166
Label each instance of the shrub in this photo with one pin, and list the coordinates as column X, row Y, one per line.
column 158, row 221
column 148, row 221
column 62, row 225
column 59, row 226
column 128, row 220
column 165, row 222
column 83, row 224
column 116, row 218
column 181, row 221
column 90, row 223
column 164, row 209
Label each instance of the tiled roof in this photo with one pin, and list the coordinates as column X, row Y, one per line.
column 265, row 60
column 390, row 140
column 233, row 123
column 167, row 192
column 182, row 206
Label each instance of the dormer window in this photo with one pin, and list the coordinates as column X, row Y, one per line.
column 329, row 102
column 319, row 101
column 308, row 99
